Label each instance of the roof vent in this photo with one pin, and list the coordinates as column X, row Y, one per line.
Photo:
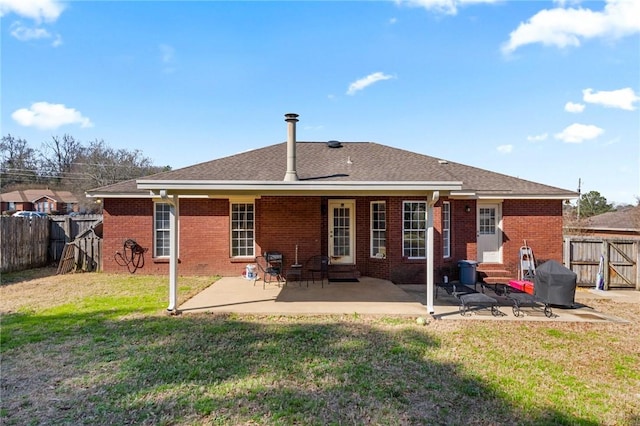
column 443, row 162
column 334, row 144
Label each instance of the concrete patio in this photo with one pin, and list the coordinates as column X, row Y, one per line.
column 372, row 296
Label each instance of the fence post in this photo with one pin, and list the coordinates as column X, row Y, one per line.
column 566, row 252
column 605, row 263
column 637, row 247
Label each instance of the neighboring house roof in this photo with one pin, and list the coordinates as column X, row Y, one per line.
column 32, row 195
column 354, row 165
column 626, row 220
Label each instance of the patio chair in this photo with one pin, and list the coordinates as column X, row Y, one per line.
column 469, row 297
column 317, row 265
column 268, row 272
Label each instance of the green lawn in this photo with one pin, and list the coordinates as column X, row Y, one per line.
column 99, row 349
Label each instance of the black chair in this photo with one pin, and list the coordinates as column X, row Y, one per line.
column 268, row 272
column 317, row 265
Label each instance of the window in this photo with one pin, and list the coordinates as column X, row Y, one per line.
column 414, row 230
column 378, row 229
column 242, row 229
column 161, row 225
column 446, row 229
column 487, row 219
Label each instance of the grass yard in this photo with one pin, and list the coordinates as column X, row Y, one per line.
column 99, row 349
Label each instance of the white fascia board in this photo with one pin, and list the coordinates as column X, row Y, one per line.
column 525, row 197
column 296, row 186
column 120, row 194
column 498, row 196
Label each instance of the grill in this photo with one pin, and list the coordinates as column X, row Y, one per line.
column 555, row 284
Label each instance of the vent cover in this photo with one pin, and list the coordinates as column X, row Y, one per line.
column 334, row 144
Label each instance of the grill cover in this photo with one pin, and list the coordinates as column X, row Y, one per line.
column 555, row 284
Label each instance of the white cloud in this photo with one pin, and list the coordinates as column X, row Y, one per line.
column 393, row 21
column 505, row 149
column 622, row 98
column 25, row 33
column 448, row 7
column 38, row 10
column 367, row 81
column 57, row 41
column 563, row 3
column 574, row 107
column 578, row 133
column 44, row 115
column 538, row 138
column 566, row 27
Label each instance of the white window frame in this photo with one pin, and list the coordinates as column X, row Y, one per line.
column 378, row 250
column 414, row 248
column 446, row 229
column 161, row 250
column 240, row 226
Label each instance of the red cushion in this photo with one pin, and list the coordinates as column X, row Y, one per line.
column 526, row 286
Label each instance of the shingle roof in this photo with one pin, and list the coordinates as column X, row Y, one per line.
column 627, row 219
column 352, row 162
column 31, row 195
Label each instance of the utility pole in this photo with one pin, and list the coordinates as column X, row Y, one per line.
column 579, row 183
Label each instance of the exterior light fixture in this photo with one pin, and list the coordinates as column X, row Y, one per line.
column 467, row 208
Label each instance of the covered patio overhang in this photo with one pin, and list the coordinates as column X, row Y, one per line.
column 172, row 191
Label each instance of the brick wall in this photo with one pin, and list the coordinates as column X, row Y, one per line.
column 284, row 222
column 539, row 222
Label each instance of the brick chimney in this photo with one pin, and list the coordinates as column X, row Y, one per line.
column 292, row 174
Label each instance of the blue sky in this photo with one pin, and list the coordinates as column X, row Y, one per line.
column 547, row 91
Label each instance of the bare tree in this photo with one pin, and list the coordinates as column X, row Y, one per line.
column 58, row 156
column 19, row 164
column 100, row 165
column 103, row 165
column 67, row 163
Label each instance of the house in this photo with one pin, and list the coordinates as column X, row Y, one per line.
column 374, row 210
column 623, row 223
column 41, row 200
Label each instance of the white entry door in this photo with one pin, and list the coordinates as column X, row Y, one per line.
column 489, row 233
column 342, row 231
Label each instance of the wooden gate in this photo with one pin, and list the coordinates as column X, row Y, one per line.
column 64, row 229
column 620, row 260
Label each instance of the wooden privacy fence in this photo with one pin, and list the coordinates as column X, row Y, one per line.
column 24, row 243
column 82, row 254
column 620, row 257
column 34, row 242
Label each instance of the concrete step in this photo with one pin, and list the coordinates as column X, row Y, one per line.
column 497, row 279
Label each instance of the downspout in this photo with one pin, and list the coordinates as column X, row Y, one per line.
column 430, row 273
column 292, row 174
column 173, row 249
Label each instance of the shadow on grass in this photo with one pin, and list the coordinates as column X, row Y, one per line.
column 223, row 369
column 8, row 278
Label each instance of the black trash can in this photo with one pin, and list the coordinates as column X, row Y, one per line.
column 468, row 273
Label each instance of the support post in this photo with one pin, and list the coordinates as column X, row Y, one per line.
column 430, row 272
column 173, row 253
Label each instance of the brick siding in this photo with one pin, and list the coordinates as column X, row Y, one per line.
column 281, row 223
